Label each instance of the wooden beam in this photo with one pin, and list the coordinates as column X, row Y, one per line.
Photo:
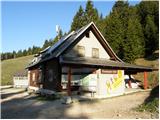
column 129, row 81
column 145, row 80
column 69, row 82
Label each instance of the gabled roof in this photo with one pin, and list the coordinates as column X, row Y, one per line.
column 64, row 43
column 68, row 41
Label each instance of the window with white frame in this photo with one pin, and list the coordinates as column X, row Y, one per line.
column 95, row 52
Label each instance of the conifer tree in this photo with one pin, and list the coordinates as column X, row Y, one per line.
column 134, row 43
column 149, row 14
column 116, row 24
column 78, row 20
column 91, row 13
column 151, row 38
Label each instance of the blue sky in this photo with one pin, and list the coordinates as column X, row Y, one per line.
column 25, row 24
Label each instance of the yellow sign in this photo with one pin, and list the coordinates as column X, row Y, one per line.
column 114, row 84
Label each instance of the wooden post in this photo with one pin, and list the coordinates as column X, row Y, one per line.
column 145, row 80
column 129, row 82
column 69, row 82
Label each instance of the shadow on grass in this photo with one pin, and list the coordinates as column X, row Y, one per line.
column 153, row 94
column 151, row 103
column 152, row 57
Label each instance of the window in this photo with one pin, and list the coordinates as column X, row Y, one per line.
column 50, row 75
column 81, row 51
column 40, row 76
column 95, row 52
column 33, row 76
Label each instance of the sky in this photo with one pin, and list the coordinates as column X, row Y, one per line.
column 28, row 23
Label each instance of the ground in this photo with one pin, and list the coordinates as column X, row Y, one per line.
column 17, row 103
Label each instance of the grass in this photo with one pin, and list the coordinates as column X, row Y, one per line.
column 153, row 78
column 11, row 66
column 151, row 103
column 48, row 98
column 150, row 107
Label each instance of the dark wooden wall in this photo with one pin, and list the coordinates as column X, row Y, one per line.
column 52, row 76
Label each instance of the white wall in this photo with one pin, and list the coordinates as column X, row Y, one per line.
column 111, row 84
column 20, row 82
column 89, row 43
column 105, row 85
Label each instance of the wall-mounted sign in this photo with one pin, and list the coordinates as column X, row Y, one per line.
column 108, row 71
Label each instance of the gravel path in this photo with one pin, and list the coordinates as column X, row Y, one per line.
column 21, row 105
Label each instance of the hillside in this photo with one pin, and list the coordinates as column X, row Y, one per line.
column 11, row 66
column 152, row 61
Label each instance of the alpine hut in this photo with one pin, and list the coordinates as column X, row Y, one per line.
column 82, row 61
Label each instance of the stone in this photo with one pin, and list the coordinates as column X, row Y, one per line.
column 66, row 100
column 119, row 115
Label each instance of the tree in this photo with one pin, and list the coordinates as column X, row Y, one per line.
column 83, row 17
column 149, row 14
column 19, row 53
column 24, row 52
column 14, row 54
column 151, row 36
column 133, row 46
column 46, row 44
column 78, row 20
column 113, row 32
column 101, row 24
column 29, row 51
column 91, row 13
column 116, row 24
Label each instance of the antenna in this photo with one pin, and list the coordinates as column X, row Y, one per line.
column 58, row 30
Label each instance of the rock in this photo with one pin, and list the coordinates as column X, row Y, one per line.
column 119, row 115
column 66, row 100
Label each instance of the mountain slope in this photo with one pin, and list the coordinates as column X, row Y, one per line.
column 11, row 66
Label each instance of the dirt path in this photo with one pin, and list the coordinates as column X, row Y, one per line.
column 21, row 105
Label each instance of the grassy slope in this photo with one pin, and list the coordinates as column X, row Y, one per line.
column 152, row 76
column 11, row 66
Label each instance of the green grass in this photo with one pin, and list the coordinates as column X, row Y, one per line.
column 151, row 103
column 150, row 107
column 11, row 66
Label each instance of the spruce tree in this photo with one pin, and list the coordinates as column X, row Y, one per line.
column 116, row 24
column 149, row 14
column 151, row 37
column 134, row 43
column 78, row 20
column 114, row 32
column 91, row 13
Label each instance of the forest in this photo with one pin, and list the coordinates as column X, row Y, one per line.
column 131, row 31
